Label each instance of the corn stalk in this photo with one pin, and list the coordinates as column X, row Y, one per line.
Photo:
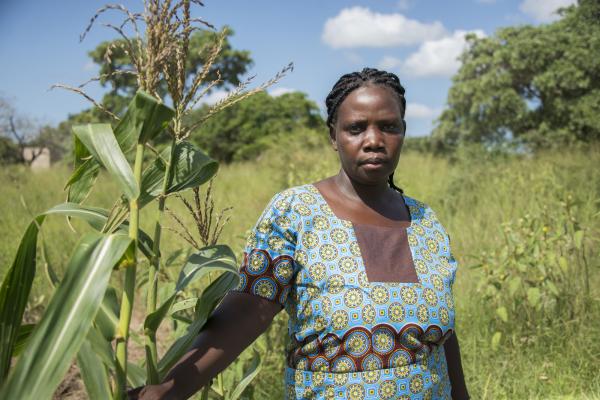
column 85, row 316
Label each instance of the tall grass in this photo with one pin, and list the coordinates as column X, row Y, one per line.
column 473, row 194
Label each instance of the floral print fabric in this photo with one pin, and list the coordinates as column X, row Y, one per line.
column 351, row 338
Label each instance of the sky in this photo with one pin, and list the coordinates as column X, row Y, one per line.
column 419, row 40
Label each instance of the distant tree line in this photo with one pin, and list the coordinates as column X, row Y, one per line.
column 536, row 86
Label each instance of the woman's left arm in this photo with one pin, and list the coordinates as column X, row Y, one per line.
column 455, row 371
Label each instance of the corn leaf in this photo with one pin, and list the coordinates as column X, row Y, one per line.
column 207, row 259
column 100, row 141
column 101, row 347
column 208, row 300
column 191, row 168
column 22, row 338
column 136, row 375
column 85, row 173
column 93, row 373
column 250, row 374
column 60, row 333
column 144, row 114
column 145, row 118
column 14, row 293
column 107, row 318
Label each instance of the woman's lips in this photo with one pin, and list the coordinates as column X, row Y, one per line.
column 373, row 163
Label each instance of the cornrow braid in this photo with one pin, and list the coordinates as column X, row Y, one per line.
column 352, row 81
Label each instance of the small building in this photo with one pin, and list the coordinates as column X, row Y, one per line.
column 37, row 157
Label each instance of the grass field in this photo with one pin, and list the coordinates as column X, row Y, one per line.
column 478, row 197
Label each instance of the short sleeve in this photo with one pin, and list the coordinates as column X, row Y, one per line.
column 268, row 265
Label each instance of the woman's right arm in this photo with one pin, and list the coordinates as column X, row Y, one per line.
column 233, row 326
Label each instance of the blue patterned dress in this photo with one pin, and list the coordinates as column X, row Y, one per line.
column 351, row 338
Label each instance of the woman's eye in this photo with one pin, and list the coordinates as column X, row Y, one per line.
column 391, row 128
column 355, row 129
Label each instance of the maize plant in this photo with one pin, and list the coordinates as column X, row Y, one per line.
column 86, row 319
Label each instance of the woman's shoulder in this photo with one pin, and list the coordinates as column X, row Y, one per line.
column 295, row 193
column 289, row 199
column 418, row 208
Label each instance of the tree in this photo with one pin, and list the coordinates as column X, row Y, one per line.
column 18, row 132
column 539, row 85
column 115, row 65
column 244, row 130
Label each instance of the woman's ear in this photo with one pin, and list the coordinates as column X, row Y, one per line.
column 332, row 137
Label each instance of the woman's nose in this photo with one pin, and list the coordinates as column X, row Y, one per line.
column 373, row 139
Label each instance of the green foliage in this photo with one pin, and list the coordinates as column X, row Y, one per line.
column 9, row 151
column 246, row 129
column 535, row 84
column 58, row 336
column 538, row 276
column 83, row 301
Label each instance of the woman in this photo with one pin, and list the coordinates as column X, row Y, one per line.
column 364, row 272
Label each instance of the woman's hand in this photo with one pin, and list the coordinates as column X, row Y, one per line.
column 150, row 392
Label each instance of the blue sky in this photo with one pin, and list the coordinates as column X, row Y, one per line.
column 416, row 39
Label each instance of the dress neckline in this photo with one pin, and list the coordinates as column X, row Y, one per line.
column 392, row 223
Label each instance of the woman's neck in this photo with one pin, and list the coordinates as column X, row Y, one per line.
column 367, row 193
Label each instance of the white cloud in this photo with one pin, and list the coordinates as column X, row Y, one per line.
column 214, row 97
column 361, row 27
column 280, row 90
column 437, row 57
column 544, row 10
column 389, row 63
column 421, row 111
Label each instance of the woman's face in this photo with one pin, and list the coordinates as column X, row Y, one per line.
column 368, row 134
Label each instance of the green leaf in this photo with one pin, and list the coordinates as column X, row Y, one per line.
column 59, row 334
column 136, row 375
column 86, row 172
column 578, row 239
column 144, row 114
column 107, row 318
column 249, row 375
column 100, row 141
column 184, row 305
column 513, row 285
column 496, row 340
column 101, row 347
column 206, row 304
column 14, row 293
column 153, row 320
column 82, row 181
column 191, row 168
column 563, row 264
column 533, row 296
column 502, row 313
column 22, row 338
column 553, row 289
column 93, row 373
column 207, row 259
column 152, row 177
column 144, row 119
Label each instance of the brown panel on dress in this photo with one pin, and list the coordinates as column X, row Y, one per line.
column 386, row 253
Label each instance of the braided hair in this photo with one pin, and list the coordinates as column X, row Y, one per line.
column 352, row 81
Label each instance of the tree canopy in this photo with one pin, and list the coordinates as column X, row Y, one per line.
column 539, row 85
column 245, row 129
